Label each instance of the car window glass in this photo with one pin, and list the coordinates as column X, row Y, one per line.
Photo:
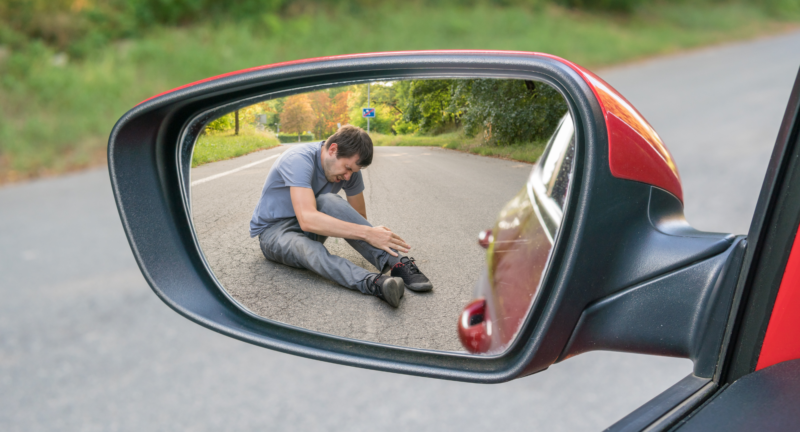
column 549, row 145
column 561, row 180
column 557, row 161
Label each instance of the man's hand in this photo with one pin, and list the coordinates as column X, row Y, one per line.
column 312, row 220
column 383, row 238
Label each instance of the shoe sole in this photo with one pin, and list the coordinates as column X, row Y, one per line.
column 393, row 291
column 402, row 284
column 420, row 287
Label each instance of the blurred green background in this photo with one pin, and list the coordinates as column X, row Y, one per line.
column 70, row 68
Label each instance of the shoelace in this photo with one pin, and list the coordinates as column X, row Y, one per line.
column 412, row 268
column 376, row 288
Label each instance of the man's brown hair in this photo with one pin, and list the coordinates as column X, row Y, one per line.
column 352, row 140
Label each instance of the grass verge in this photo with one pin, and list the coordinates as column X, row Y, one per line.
column 212, row 148
column 525, row 152
column 56, row 114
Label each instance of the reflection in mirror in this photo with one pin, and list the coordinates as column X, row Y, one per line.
column 300, row 202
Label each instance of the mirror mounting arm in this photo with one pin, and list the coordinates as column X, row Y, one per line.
column 683, row 313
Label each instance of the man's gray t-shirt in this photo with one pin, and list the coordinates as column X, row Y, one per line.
column 300, row 166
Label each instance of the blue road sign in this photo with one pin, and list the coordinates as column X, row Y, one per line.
column 368, row 112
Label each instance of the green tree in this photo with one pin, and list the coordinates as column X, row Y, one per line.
column 274, row 112
column 509, row 111
column 429, row 104
column 383, row 99
column 222, row 124
column 404, row 105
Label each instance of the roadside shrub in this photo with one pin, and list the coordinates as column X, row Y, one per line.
column 782, row 8
column 626, row 6
column 80, row 27
column 504, row 111
column 509, row 111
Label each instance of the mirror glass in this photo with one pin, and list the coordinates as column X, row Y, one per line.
column 296, row 199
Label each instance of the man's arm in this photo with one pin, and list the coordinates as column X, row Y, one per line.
column 357, row 202
column 312, row 220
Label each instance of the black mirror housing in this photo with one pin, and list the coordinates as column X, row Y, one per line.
column 623, row 231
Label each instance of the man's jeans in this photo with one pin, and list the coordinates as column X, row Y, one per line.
column 285, row 243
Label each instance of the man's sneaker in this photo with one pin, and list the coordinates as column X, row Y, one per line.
column 390, row 289
column 412, row 277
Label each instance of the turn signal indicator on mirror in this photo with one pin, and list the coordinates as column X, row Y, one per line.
column 474, row 327
column 485, row 238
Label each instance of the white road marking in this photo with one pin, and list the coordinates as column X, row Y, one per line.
column 243, row 167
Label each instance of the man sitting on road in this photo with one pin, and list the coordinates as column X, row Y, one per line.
column 299, row 209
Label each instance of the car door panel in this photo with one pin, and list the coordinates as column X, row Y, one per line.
column 765, row 400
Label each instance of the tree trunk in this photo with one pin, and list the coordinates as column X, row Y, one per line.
column 237, row 123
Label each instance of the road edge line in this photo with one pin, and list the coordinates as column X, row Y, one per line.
column 243, row 167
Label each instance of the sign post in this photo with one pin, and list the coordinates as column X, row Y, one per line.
column 369, row 112
column 368, row 104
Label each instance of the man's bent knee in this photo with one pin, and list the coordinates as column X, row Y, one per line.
column 329, row 201
column 335, row 206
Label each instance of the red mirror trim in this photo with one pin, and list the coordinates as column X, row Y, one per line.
column 632, row 157
column 635, row 151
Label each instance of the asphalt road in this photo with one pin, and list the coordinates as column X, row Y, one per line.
column 436, row 199
column 85, row 345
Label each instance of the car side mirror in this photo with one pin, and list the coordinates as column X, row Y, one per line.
column 621, row 270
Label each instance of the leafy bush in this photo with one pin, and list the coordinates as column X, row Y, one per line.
column 430, row 104
column 504, row 111
column 222, row 124
column 509, row 111
column 79, row 27
column 607, row 5
column 782, row 8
